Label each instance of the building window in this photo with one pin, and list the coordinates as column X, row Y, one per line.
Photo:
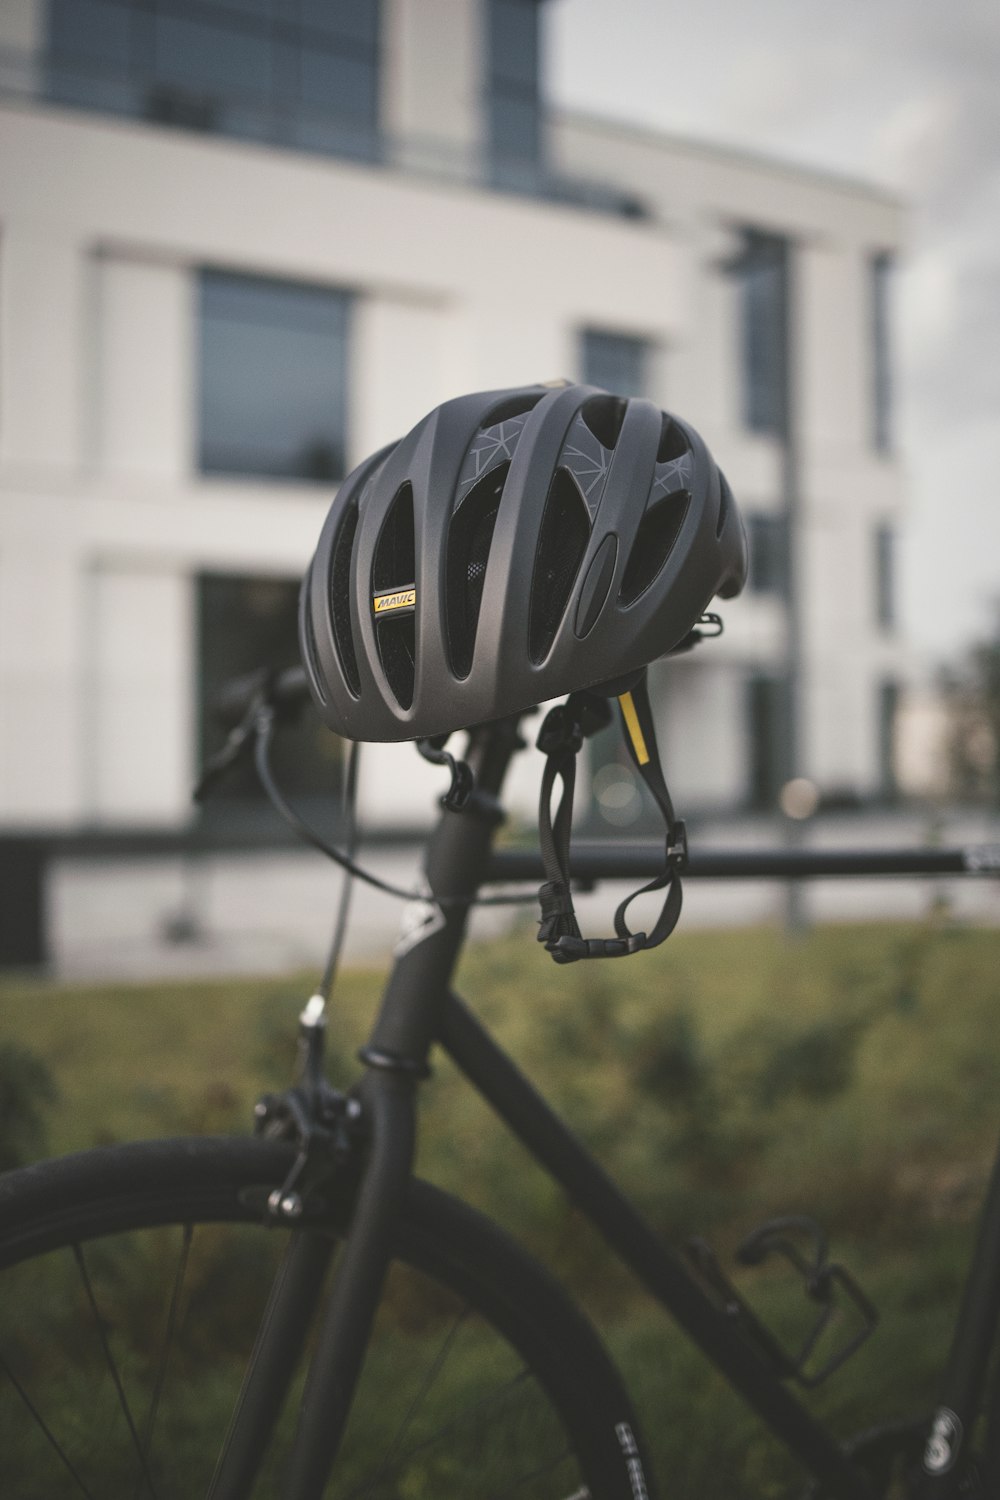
column 302, row 74
column 881, row 274
column 514, row 109
column 615, row 362
column 888, row 705
column 244, row 624
column 768, row 721
column 885, row 577
column 761, row 271
column 273, row 378
column 767, row 540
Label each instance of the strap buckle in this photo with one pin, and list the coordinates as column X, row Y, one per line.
column 677, row 846
column 567, row 949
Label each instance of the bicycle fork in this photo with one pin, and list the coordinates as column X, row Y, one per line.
column 346, row 1319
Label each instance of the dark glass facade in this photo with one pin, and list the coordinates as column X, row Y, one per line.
column 514, row 107
column 885, row 577
column 767, row 539
column 615, row 362
column 300, row 73
column 880, row 284
column 769, row 706
column 244, row 624
column 762, row 270
column 273, row 378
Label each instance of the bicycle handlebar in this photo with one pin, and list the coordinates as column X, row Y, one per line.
column 606, row 860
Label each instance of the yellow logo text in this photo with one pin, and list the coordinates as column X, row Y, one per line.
column 399, row 599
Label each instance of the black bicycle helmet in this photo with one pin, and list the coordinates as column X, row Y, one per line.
column 517, row 545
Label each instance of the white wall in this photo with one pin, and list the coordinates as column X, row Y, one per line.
column 139, row 715
column 104, row 224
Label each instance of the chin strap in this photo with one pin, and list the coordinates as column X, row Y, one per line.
column 562, row 734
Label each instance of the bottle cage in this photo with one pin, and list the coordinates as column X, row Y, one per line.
column 560, row 739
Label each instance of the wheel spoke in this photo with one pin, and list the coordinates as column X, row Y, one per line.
column 474, row 1408
column 102, row 1334
column 433, row 1371
column 545, row 1468
column 45, row 1428
column 161, row 1369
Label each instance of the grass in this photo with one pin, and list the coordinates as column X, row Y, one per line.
column 730, row 1077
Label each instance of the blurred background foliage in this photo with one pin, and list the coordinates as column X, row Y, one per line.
column 734, row 1076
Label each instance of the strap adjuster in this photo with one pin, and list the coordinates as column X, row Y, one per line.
column 566, row 949
column 677, row 846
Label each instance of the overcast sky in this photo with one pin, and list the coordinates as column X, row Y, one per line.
column 905, row 93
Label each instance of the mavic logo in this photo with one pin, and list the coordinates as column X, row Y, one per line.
column 384, row 604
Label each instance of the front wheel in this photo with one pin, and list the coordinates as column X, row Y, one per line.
column 132, row 1283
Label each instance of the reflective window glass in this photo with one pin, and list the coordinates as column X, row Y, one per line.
column 514, row 126
column 885, row 580
column 273, row 390
column 767, row 541
column 351, row 20
column 210, row 57
column 881, row 273
column 514, row 41
column 762, row 275
column 303, row 73
column 244, row 624
column 514, row 111
column 338, row 84
column 769, row 706
column 616, row 362
column 96, row 32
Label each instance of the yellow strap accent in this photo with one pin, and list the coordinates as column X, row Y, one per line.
column 634, row 728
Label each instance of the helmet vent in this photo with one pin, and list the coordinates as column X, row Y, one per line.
column 654, row 542
column 673, row 441
column 562, row 541
column 604, row 416
column 394, row 568
column 514, row 406
column 340, row 600
column 469, row 538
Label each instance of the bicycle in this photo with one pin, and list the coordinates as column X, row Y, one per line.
column 507, row 1370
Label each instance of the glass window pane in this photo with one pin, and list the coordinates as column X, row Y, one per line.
column 209, row 57
column 336, row 83
column 263, row 9
column 615, row 361
column 513, row 33
column 515, row 126
column 885, row 600
column 302, row 74
column 245, row 623
column 97, row 32
column 881, row 271
column 768, row 717
column 767, row 540
column 762, row 273
column 353, row 20
column 888, row 707
column 273, row 378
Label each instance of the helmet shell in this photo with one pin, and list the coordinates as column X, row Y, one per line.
column 516, row 545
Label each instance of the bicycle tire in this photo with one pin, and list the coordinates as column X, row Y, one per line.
column 529, row 1380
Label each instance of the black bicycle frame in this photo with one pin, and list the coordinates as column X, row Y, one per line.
column 418, row 1010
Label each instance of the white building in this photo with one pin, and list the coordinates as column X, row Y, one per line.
column 241, row 250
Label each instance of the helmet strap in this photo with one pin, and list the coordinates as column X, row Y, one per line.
column 561, row 737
